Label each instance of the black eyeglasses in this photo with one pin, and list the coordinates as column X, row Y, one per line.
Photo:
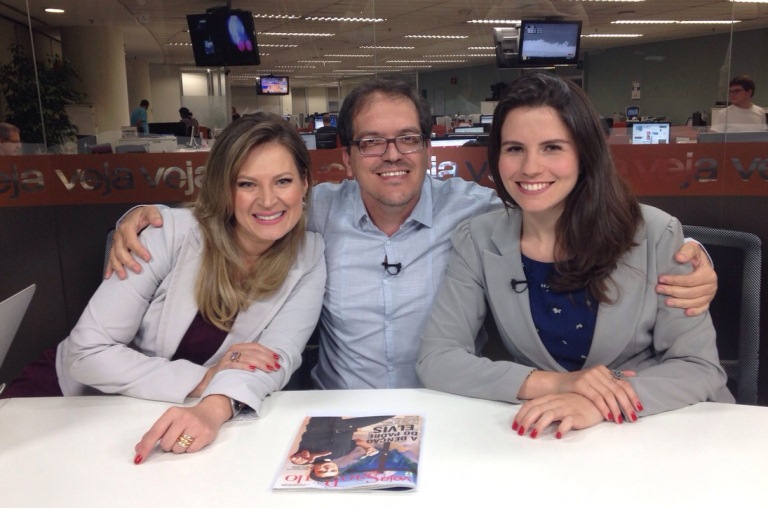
column 376, row 147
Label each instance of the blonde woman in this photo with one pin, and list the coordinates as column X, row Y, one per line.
column 221, row 312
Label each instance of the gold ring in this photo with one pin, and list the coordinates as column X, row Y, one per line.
column 184, row 440
column 235, row 356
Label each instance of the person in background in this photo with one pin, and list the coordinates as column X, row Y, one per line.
column 191, row 125
column 568, row 272
column 387, row 232
column 742, row 115
column 327, row 128
column 221, row 313
column 10, row 139
column 139, row 117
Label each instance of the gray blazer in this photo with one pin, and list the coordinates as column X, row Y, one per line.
column 675, row 356
column 130, row 329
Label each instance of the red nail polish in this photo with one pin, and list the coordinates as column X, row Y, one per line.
column 534, row 433
column 277, row 365
column 619, row 419
column 610, row 417
column 252, row 367
column 521, row 431
column 269, row 367
column 639, row 406
column 276, row 356
column 559, row 435
column 137, row 459
column 514, row 425
column 633, row 416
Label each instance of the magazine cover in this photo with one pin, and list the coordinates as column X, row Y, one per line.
column 368, row 452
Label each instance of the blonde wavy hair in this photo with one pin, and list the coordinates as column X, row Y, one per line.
column 225, row 286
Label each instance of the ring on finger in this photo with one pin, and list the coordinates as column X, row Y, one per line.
column 235, row 356
column 617, row 374
column 185, row 440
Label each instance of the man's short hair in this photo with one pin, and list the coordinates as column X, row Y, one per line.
column 144, row 102
column 747, row 83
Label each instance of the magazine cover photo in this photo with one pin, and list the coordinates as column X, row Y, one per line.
column 361, row 452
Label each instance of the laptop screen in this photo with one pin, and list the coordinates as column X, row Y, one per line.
column 12, row 311
column 310, row 140
column 650, row 133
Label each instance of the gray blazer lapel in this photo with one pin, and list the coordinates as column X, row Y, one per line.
column 627, row 288
column 512, row 310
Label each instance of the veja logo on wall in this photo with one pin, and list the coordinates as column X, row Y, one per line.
column 103, row 180
column 449, row 169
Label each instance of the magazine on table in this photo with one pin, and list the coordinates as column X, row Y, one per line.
column 353, row 452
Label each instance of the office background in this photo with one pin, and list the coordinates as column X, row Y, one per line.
column 679, row 71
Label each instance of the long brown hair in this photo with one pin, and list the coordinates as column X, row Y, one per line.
column 601, row 215
column 225, row 286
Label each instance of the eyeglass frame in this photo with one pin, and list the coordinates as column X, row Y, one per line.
column 421, row 137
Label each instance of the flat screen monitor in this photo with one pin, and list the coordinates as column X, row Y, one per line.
column 468, row 130
column 633, row 112
column 223, row 37
column 319, row 120
column 310, row 140
column 650, row 133
column 544, row 43
column 273, row 85
column 486, row 119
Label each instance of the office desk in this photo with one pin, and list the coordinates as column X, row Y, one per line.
column 79, row 451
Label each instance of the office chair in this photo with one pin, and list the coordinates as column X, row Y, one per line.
column 736, row 289
column 102, row 148
column 326, row 140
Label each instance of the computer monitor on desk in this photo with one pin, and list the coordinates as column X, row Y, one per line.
column 310, row 140
column 649, row 133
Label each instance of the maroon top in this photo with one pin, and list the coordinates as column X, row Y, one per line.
column 39, row 379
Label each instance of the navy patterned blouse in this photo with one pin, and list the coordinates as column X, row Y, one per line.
column 565, row 322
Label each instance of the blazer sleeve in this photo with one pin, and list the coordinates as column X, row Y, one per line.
column 686, row 367
column 448, row 358
column 286, row 334
column 99, row 352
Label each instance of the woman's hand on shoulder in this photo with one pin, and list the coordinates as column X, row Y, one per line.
column 572, row 410
column 186, row 429
column 249, row 356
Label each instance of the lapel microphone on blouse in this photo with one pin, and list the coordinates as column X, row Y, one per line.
column 517, row 283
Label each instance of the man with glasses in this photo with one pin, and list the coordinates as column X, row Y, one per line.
column 741, row 115
column 387, row 241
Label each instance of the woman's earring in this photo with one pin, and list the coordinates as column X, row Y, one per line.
column 304, row 202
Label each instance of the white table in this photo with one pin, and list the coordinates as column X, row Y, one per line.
column 79, row 452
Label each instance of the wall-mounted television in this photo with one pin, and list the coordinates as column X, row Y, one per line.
column 272, row 85
column 222, row 37
column 549, row 42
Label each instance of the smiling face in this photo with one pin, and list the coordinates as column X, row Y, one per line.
column 390, row 184
column 539, row 162
column 267, row 197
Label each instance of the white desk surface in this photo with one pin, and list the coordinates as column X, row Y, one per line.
column 79, row 452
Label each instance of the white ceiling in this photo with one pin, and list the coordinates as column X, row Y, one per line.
column 151, row 26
